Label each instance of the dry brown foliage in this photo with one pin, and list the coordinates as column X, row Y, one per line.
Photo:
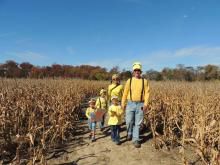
column 183, row 114
column 35, row 115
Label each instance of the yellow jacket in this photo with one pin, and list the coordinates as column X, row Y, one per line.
column 101, row 103
column 136, row 90
column 115, row 115
column 89, row 111
column 115, row 91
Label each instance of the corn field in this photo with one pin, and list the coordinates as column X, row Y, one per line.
column 186, row 115
column 36, row 115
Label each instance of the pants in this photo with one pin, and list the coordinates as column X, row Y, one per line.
column 92, row 125
column 102, row 123
column 115, row 133
column 134, row 117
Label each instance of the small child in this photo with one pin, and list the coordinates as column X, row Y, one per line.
column 115, row 118
column 90, row 114
column 101, row 103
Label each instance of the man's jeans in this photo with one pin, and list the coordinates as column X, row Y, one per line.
column 134, row 118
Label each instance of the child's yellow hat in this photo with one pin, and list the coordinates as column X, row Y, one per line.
column 114, row 97
column 115, row 76
column 102, row 91
column 92, row 100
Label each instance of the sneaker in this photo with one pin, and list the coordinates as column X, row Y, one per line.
column 137, row 144
column 92, row 139
column 129, row 138
column 117, row 142
column 113, row 140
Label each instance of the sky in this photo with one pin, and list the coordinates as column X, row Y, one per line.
column 108, row 33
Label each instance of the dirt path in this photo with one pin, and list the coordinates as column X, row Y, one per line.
column 104, row 152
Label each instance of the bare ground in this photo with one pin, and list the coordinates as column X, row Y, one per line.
column 81, row 151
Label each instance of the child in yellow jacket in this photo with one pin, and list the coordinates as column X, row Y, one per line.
column 90, row 114
column 115, row 119
column 101, row 103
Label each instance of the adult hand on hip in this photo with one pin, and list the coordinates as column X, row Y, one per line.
column 123, row 107
column 145, row 109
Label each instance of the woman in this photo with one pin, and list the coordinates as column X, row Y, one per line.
column 115, row 88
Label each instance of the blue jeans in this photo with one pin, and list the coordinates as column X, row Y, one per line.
column 134, row 118
column 115, row 133
column 92, row 125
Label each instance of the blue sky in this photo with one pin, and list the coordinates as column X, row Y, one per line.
column 158, row 33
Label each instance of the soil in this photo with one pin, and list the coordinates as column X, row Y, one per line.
column 81, row 151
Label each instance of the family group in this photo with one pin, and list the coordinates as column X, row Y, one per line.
column 119, row 102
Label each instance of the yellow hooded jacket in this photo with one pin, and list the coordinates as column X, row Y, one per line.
column 89, row 111
column 115, row 91
column 101, row 103
column 115, row 115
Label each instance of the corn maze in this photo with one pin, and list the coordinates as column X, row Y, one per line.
column 36, row 115
column 187, row 115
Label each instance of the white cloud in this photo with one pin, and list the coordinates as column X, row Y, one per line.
column 70, row 50
column 107, row 63
column 198, row 51
column 27, row 56
column 3, row 35
column 121, row 63
column 23, row 41
column 192, row 56
column 185, row 16
column 133, row 1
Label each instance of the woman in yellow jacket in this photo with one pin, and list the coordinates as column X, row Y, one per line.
column 135, row 100
column 115, row 119
column 115, row 88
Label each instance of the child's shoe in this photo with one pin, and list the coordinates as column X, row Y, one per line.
column 93, row 139
column 117, row 142
column 113, row 139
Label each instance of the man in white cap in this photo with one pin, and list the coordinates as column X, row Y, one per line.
column 134, row 101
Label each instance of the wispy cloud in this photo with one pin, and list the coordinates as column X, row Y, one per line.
column 27, row 56
column 70, row 50
column 133, row 1
column 23, row 41
column 197, row 55
column 185, row 16
column 192, row 56
column 121, row 63
column 198, row 51
column 3, row 35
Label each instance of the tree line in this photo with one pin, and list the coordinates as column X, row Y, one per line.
column 12, row 69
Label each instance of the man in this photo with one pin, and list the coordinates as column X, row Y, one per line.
column 134, row 101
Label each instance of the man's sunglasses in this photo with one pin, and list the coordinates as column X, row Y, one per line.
column 137, row 70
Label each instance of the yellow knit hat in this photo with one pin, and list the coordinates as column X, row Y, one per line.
column 92, row 100
column 115, row 76
column 114, row 97
column 137, row 65
column 102, row 91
